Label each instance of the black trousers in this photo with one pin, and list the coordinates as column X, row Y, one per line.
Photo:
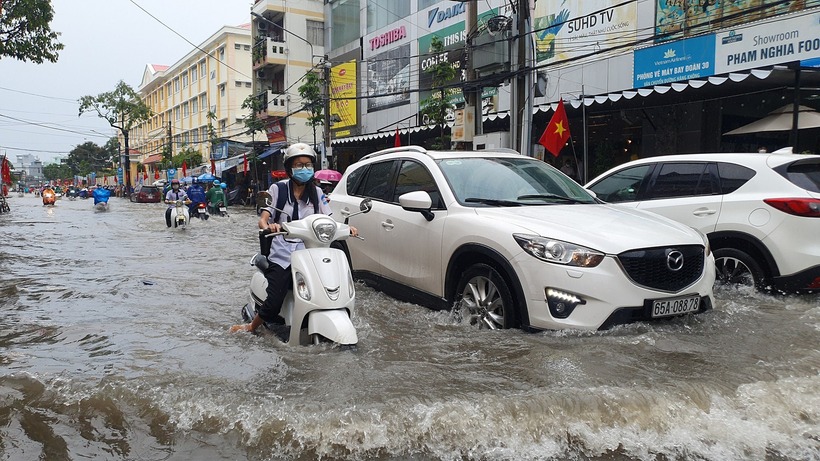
column 279, row 282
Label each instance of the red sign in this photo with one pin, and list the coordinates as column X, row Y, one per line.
column 274, row 132
column 388, row 37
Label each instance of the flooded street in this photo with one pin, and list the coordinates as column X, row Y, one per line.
column 114, row 344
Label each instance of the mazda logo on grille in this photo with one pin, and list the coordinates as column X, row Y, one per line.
column 674, row 260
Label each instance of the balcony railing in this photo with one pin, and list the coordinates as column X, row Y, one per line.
column 268, row 49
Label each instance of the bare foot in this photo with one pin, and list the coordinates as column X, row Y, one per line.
column 241, row 327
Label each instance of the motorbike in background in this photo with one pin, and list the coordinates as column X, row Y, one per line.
column 201, row 211
column 49, row 197
column 319, row 305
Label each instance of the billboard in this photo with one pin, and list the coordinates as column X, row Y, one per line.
column 581, row 27
column 274, row 132
column 343, row 103
column 675, row 61
column 388, row 79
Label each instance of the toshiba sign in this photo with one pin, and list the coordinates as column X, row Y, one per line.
column 388, row 38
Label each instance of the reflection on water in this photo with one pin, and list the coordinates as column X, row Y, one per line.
column 114, row 345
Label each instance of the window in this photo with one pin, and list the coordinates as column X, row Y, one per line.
column 185, row 80
column 192, row 71
column 376, row 183
column 222, row 90
column 622, row 186
column 176, row 113
column 194, row 105
column 316, row 32
column 195, row 136
column 213, row 74
column 804, row 174
column 246, row 47
column 222, row 125
column 238, row 84
column 385, row 12
column 202, row 70
column 426, row 3
column 681, row 180
column 222, row 53
column 237, row 46
column 248, row 84
column 414, row 177
column 185, row 109
column 176, row 85
column 344, row 18
column 203, row 101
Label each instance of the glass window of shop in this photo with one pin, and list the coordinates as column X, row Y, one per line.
column 344, row 17
column 426, row 3
column 386, row 12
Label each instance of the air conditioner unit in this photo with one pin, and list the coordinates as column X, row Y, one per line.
column 262, row 25
column 260, row 74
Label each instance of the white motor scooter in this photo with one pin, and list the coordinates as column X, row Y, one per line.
column 179, row 214
column 319, row 306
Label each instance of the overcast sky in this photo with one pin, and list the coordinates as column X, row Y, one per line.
column 105, row 41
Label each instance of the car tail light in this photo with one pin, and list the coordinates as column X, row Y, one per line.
column 805, row 207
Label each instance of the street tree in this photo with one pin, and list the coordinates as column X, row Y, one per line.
column 57, row 171
column 123, row 109
column 435, row 107
column 89, row 157
column 253, row 122
column 311, row 93
column 25, row 31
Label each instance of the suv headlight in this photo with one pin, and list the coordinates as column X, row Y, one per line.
column 559, row 251
column 324, row 229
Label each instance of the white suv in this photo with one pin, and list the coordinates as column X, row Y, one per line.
column 516, row 243
column 760, row 211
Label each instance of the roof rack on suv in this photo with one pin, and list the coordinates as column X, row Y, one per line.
column 418, row 149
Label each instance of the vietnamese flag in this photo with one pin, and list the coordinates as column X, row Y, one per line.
column 115, row 180
column 397, row 140
column 245, row 164
column 184, row 169
column 6, row 171
column 156, row 174
column 557, row 132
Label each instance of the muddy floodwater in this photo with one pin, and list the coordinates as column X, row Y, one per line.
column 114, row 345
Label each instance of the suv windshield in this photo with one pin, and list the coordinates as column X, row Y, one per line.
column 487, row 181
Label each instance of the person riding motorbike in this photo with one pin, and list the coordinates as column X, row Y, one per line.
column 197, row 195
column 215, row 195
column 171, row 198
column 301, row 199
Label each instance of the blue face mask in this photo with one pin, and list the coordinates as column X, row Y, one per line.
column 303, row 175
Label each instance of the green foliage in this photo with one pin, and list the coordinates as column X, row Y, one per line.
column 189, row 155
column 435, row 107
column 122, row 108
column 57, row 171
column 89, row 157
column 25, row 31
column 252, row 122
column 311, row 93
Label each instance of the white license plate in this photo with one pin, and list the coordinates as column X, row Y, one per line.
column 675, row 306
column 222, row 208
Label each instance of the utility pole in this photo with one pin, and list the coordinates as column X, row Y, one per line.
column 170, row 150
column 473, row 96
column 520, row 92
column 326, row 152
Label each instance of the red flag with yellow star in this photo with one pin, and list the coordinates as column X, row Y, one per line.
column 557, row 132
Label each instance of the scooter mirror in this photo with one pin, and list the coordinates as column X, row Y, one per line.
column 366, row 205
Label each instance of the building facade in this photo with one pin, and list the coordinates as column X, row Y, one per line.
column 31, row 169
column 214, row 81
column 289, row 42
column 638, row 78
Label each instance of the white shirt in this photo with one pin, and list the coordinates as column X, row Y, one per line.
column 281, row 249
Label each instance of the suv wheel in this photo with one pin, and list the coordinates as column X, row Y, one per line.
column 485, row 295
column 736, row 268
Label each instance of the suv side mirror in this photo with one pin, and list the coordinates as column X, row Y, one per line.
column 419, row 201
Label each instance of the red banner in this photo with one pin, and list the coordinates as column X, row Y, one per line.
column 6, row 172
column 275, row 132
column 184, row 169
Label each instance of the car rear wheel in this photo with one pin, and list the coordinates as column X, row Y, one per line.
column 485, row 296
column 736, row 268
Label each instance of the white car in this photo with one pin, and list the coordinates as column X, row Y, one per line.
column 516, row 243
column 760, row 211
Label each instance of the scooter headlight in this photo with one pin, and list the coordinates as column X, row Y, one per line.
column 325, row 229
column 558, row 251
column 301, row 286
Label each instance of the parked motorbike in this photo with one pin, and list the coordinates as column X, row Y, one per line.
column 319, row 306
column 179, row 214
column 201, row 211
column 49, row 197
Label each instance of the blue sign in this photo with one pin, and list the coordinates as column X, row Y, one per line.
column 119, row 175
column 172, row 172
column 675, row 61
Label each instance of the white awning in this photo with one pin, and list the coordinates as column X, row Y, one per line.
column 659, row 89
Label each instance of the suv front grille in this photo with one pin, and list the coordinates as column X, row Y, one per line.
column 653, row 267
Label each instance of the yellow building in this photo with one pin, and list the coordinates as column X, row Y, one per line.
column 214, row 78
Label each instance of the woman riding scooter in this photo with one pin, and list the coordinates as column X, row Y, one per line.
column 171, row 198
column 302, row 200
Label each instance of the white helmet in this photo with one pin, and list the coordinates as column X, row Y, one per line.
column 297, row 150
